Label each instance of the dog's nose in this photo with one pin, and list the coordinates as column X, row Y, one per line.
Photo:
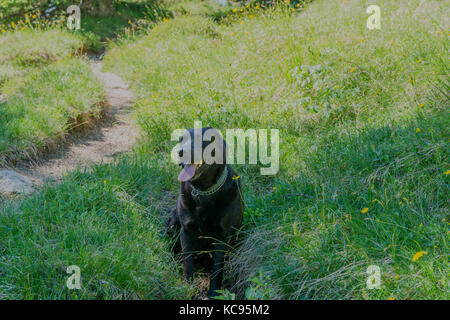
column 180, row 153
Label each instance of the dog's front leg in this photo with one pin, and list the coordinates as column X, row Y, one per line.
column 215, row 281
column 187, row 238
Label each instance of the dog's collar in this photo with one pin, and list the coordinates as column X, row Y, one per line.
column 213, row 189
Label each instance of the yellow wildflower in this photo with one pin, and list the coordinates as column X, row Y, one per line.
column 234, row 10
column 419, row 61
column 235, row 177
column 447, row 172
column 13, row 24
column 364, row 210
column 418, row 255
column 33, row 16
column 3, row 31
column 274, row 188
column 391, row 298
column 421, row 105
column 59, row 60
column 352, row 70
column 250, row 16
column 418, row 130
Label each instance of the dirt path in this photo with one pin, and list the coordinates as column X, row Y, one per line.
column 114, row 134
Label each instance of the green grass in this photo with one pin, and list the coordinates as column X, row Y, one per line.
column 97, row 221
column 24, row 51
column 348, row 111
column 206, row 8
column 129, row 18
column 47, row 104
column 348, row 102
column 49, row 87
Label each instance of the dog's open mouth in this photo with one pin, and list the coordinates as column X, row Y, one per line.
column 189, row 171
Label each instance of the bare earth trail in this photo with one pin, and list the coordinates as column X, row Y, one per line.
column 114, row 134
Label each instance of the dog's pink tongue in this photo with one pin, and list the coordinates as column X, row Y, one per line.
column 187, row 173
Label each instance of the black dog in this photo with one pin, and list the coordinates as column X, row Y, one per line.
column 209, row 209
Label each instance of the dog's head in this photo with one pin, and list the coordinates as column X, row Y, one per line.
column 202, row 151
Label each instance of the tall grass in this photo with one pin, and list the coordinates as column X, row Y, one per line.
column 360, row 128
column 27, row 50
column 96, row 221
column 48, row 88
column 45, row 106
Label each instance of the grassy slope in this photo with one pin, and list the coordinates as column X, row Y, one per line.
column 48, row 87
column 22, row 51
column 349, row 141
column 348, row 102
column 37, row 116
